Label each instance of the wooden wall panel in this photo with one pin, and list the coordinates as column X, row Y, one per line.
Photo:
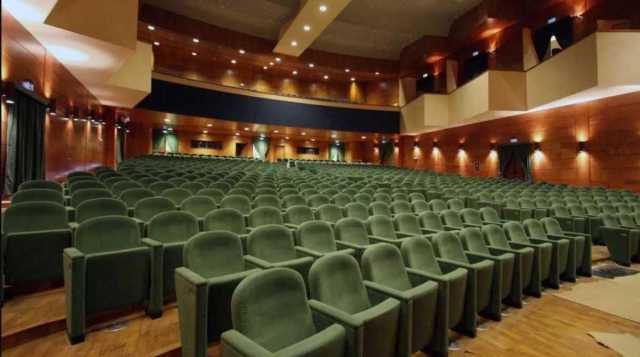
column 610, row 126
column 69, row 145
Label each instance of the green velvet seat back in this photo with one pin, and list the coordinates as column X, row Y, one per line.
column 336, row 280
column 431, row 220
column 407, row 223
column 382, row 263
column 592, row 210
column 266, row 201
column 526, row 203
column 495, row 236
column 399, row 207
column 264, row 215
column 87, row 194
column 270, row 308
column 474, row 240
column 379, row 208
column 213, row 254
column 299, row 214
column 489, row 214
column 238, row 202
column 471, row 216
column 609, row 220
column 329, row 213
column 381, row 226
column 273, row 243
column 198, row 206
column 113, row 180
column 37, row 194
column 416, row 196
column 452, row 218
column 294, row 200
column 79, row 174
column 107, row 234
column 192, row 187
column 418, row 253
column 399, row 197
column 352, row 230
column 160, row 187
column 382, row 197
column 356, row 210
column 316, row 236
column 455, row 204
column 34, row 216
column 419, row 206
column 146, row 208
column 215, row 194
column 626, row 219
column 287, row 191
column 131, row 196
column 222, row 186
column 560, row 211
column 148, row 181
column 437, row 205
column 100, row 207
column 608, row 209
column 120, row 187
column 341, row 199
column 363, row 198
column 173, row 226
column 225, row 219
column 176, row 195
column 449, row 247
column 552, row 226
column 177, row 181
column 43, row 184
column 535, row 229
column 318, row 200
column 515, row 232
column 577, row 210
column 76, row 186
column 266, row 191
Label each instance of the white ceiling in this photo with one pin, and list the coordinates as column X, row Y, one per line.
column 366, row 28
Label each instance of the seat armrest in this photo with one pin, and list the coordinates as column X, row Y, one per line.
column 382, row 308
column 327, row 339
column 429, row 231
column 420, row 276
column 478, row 257
column 227, row 278
column 497, row 250
column 405, row 235
column 305, row 252
column 156, row 286
column 335, row 315
column 471, row 225
column 451, row 228
column 452, row 264
column 242, row 345
column 256, row 262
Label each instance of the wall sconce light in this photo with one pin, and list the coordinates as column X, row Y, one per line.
column 492, row 147
column 536, row 147
column 8, row 93
column 513, row 140
column 51, row 108
column 416, row 145
column 582, row 146
column 436, row 146
column 461, row 147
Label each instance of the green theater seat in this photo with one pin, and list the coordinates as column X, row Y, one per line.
column 272, row 246
column 566, row 248
column 339, row 295
column 316, row 239
column 384, row 272
column 110, row 268
column 548, row 255
column 580, row 241
column 382, row 230
column 623, row 243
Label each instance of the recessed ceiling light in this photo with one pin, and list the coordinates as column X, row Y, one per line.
column 194, row 53
column 241, row 51
column 311, row 65
column 209, row 125
column 196, row 40
column 363, row 137
column 276, row 131
column 323, row 8
column 294, row 43
column 151, row 27
column 246, row 129
column 156, row 43
column 377, row 73
column 347, row 70
column 303, row 133
column 265, row 67
column 241, row 84
column 425, row 75
column 325, row 77
column 306, row 28
column 353, row 79
column 295, row 73
column 204, row 132
column 233, row 61
column 278, row 59
column 313, row 139
column 271, row 63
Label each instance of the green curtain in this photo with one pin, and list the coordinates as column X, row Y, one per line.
column 386, row 152
column 336, row 152
column 164, row 142
column 25, row 142
column 260, row 148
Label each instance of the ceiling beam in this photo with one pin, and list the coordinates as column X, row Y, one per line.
column 307, row 25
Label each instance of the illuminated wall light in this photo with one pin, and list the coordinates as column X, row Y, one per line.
column 151, row 27
column 196, row 40
column 294, row 43
column 416, row 145
column 325, row 77
column 276, row 131
column 475, row 53
column 278, row 59
column 353, row 79
column 194, row 53
column 363, row 137
column 582, row 147
column 246, row 129
column 303, row 133
column 536, row 146
column 209, row 125
column 265, row 68
column 323, row 8
column 377, row 73
column 241, row 51
column 425, row 75
column 295, row 73
column 307, row 28
column 233, row 61
column 347, row 70
column 156, row 43
column 311, row 65
column 552, row 20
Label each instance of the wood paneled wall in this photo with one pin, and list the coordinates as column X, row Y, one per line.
column 611, row 128
column 69, row 145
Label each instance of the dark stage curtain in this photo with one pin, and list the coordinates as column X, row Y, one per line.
column 562, row 29
column 336, row 152
column 521, row 153
column 386, row 152
column 25, row 141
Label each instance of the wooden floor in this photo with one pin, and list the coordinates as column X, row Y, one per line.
column 549, row 326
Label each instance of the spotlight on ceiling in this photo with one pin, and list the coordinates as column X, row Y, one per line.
column 347, row 70
column 323, row 8
column 209, row 125
column 233, row 61
column 425, row 75
column 363, row 137
column 156, row 43
column 295, row 73
column 325, row 77
column 265, row 67
column 303, row 133
column 311, row 65
column 246, row 129
column 278, row 59
column 194, row 53
column 307, row 28
column 196, row 40
column 151, row 27
column 294, row 43
column 241, row 51
column 353, row 79
column 271, row 63
column 377, row 73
